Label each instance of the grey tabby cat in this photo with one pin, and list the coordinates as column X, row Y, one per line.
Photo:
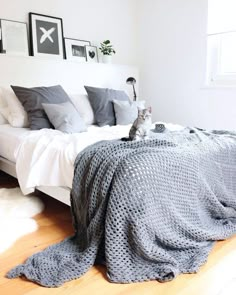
column 141, row 126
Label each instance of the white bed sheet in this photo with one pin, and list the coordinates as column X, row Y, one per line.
column 10, row 140
column 46, row 157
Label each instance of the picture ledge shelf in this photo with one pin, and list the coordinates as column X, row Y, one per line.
column 58, row 60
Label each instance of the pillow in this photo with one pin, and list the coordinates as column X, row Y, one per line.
column 126, row 112
column 32, row 99
column 101, row 102
column 3, row 109
column 83, row 106
column 3, row 119
column 4, row 115
column 64, row 117
column 17, row 116
column 2, row 100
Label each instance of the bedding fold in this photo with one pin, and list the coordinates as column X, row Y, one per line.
column 148, row 209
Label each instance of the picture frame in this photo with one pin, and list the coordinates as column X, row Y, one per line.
column 14, row 37
column 75, row 49
column 46, row 36
column 91, row 54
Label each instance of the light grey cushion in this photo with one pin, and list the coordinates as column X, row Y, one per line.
column 126, row 112
column 64, row 117
column 102, row 105
column 32, row 99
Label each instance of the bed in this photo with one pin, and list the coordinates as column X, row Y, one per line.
column 148, row 209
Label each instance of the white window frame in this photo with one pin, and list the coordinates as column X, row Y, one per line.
column 215, row 74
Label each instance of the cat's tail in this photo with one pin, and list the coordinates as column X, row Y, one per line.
column 125, row 139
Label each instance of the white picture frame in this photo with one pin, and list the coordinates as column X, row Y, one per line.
column 75, row 49
column 91, row 54
column 46, row 36
column 14, row 37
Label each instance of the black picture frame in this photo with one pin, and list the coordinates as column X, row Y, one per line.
column 75, row 49
column 46, row 36
column 91, row 54
column 14, row 37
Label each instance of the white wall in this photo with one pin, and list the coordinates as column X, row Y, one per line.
column 88, row 20
column 172, row 55
column 31, row 72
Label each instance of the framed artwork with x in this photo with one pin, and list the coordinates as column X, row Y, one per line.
column 46, row 36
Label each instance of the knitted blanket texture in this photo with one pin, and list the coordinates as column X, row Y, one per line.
column 148, row 210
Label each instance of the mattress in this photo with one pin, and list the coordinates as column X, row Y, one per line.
column 10, row 140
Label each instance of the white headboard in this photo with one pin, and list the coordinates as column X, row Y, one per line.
column 33, row 71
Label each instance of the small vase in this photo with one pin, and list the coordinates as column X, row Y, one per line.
column 107, row 59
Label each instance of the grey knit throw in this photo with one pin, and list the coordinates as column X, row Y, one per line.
column 150, row 209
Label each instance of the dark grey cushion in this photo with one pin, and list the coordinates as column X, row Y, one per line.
column 64, row 117
column 126, row 112
column 102, row 105
column 32, row 99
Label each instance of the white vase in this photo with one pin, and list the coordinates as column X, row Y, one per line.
column 106, row 59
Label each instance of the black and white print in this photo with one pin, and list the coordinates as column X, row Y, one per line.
column 75, row 49
column 78, row 51
column 46, row 35
column 91, row 54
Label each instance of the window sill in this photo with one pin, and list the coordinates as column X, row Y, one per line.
column 219, row 87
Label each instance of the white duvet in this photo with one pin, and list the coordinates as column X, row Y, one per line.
column 46, row 157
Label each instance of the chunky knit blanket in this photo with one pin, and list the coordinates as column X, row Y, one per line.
column 150, row 209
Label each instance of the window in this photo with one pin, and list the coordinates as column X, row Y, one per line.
column 221, row 68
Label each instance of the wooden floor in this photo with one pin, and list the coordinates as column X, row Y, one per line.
column 217, row 277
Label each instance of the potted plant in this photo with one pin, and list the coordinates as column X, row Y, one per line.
column 107, row 50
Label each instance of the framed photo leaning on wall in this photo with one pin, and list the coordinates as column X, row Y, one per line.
column 91, row 54
column 75, row 49
column 13, row 37
column 46, row 36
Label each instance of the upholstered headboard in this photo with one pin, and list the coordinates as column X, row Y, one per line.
column 34, row 71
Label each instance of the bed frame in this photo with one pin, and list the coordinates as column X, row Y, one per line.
column 61, row 194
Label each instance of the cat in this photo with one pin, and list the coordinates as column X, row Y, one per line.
column 141, row 126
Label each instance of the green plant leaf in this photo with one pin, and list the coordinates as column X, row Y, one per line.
column 107, row 48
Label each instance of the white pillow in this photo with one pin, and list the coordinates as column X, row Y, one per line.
column 17, row 116
column 3, row 109
column 140, row 104
column 83, row 106
column 2, row 100
column 3, row 120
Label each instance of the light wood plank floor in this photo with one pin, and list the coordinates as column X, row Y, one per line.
column 216, row 277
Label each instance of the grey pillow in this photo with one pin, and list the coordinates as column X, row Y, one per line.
column 64, row 117
column 102, row 105
column 32, row 99
column 126, row 112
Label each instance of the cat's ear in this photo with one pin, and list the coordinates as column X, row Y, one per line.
column 140, row 110
column 150, row 109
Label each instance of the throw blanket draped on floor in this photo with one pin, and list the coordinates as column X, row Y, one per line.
column 148, row 209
